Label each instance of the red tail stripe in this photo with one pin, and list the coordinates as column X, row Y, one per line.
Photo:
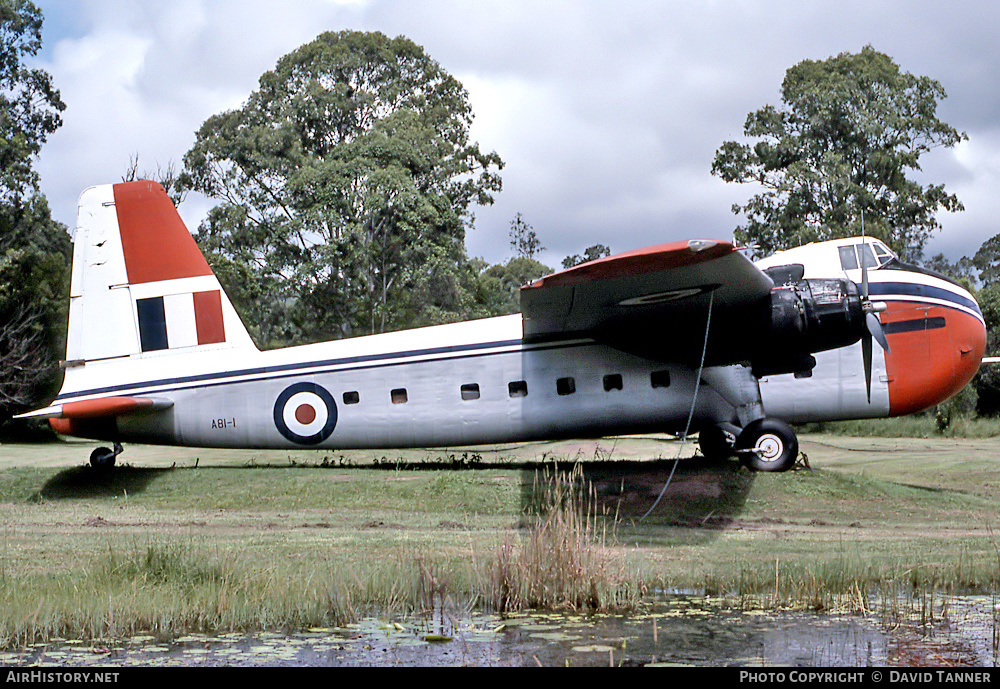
column 208, row 317
column 156, row 243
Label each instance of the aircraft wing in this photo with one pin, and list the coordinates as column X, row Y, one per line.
column 104, row 407
column 652, row 301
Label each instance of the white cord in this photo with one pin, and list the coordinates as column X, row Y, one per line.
column 694, row 401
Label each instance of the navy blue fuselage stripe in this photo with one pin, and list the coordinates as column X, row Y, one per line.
column 909, row 289
column 307, row 368
column 915, row 325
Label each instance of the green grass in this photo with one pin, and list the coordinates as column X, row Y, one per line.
column 218, row 541
column 926, row 425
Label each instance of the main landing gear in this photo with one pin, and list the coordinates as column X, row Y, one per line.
column 104, row 458
column 762, row 445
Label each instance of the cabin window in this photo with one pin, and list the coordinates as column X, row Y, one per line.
column 351, row 397
column 470, row 391
column 612, row 381
column 565, row 386
column 659, row 379
column 399, row 396
column 518, row 388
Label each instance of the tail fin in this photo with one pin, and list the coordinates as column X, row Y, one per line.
column 140, row 286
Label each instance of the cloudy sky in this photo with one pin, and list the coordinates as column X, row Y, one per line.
column 606, row 114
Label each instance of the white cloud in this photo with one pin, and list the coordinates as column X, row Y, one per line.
column 976, row 187
column 606, row 114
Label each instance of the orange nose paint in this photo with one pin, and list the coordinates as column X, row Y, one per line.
column 934, row 353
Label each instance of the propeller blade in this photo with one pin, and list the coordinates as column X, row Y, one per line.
column 875, row 328
column 866, row 353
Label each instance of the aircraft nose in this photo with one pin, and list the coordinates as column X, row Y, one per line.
column 934, row 352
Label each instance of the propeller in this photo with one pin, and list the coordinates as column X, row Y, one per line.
column 874, row 324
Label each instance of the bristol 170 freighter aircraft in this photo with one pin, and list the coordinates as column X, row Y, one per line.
column 685, row 336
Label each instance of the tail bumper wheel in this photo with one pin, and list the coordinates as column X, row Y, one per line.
column 103, row 458
column 768, row 445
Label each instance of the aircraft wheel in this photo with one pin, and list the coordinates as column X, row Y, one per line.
column 717, row 441
column 102, row 458
column 768, row 445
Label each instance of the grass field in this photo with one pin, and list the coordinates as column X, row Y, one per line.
column 177, row 540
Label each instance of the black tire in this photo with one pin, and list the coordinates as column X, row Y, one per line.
column 768, row 445
column 717, row 441
column 103, row 458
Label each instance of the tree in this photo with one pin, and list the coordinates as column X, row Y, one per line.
column 837, row 152
column 962, row 271
column 166, row 177
column 34, row 250
column 29, row 105
column 987, row 261
column 591, row 253
column 523, row 239
column 987, row 381
column 500, row 285
column 347, row 181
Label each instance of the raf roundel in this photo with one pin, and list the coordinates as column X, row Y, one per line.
column 305, row 413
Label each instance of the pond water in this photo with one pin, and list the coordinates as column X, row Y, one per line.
column 681, row 630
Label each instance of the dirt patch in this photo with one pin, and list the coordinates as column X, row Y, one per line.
column 379, row 524
column 97, row 522
column 699, row 491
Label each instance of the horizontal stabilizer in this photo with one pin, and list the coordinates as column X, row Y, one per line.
column 103, row 407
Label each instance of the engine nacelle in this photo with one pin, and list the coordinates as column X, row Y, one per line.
column 808, row 316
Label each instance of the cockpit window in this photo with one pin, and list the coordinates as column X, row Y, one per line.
column 865, row 250
column 873, row 253
column 848, row 259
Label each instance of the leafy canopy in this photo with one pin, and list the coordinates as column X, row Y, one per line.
column 346, row 184
column 29, row 105
column 849, row 132
column 34, row 250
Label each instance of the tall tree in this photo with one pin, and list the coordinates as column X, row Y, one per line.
column 987, row 381
column 849, row 131
column 523, row 240
column 34, row 250
column 346, row 181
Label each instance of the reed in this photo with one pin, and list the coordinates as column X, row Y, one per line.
column 161, row 590
column 562, row 559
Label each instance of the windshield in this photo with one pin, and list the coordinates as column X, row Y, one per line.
column 874, row 253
